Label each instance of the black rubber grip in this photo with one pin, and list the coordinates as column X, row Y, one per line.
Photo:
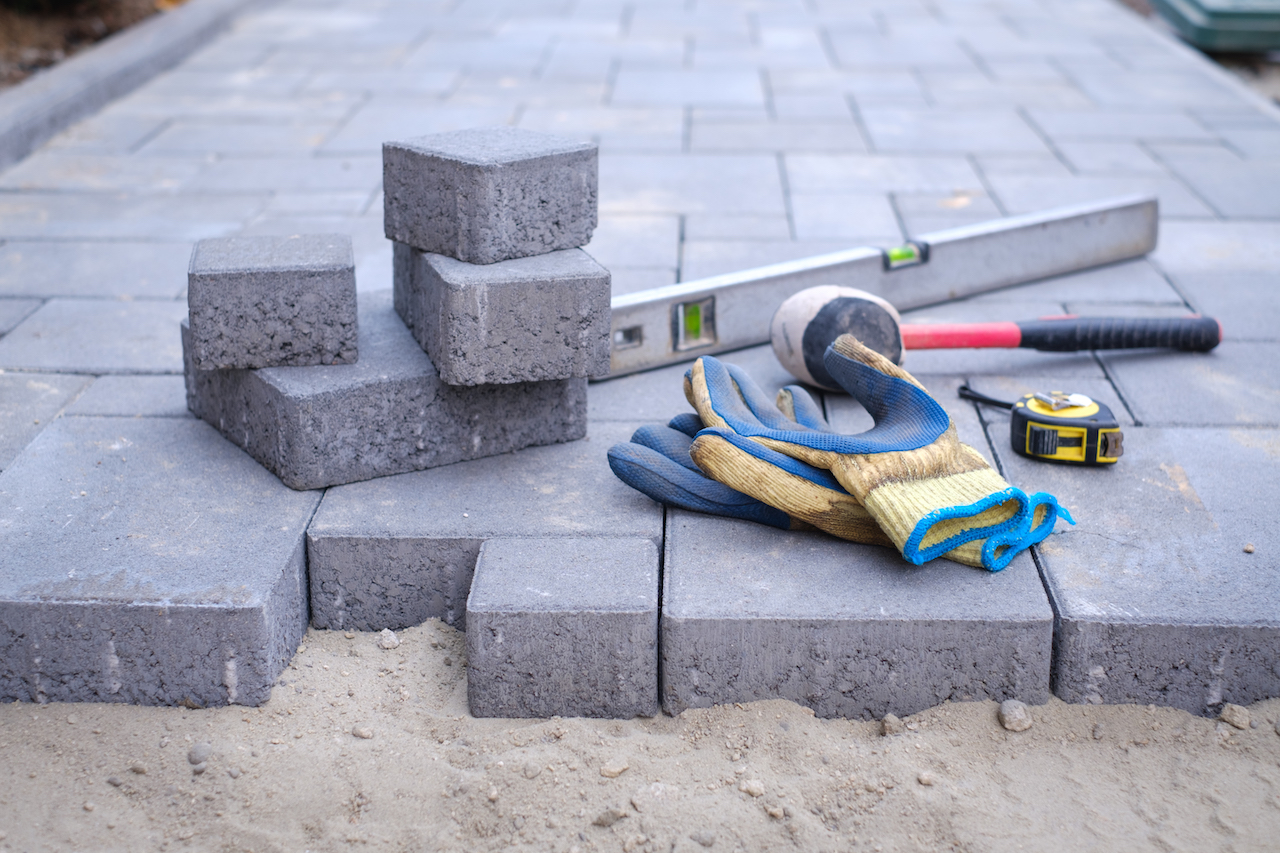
column 1199, row 334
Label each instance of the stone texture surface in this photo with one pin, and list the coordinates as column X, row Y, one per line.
column 565, row 627
column 490, row 194
column 147, row 561
column 28, row 403
column 392, row 552
column 1156, row 600
column 750, row 612
column 272, row 302
column 386, row 414
column 523, row 320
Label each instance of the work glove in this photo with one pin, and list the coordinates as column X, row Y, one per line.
column 657, row 463
column 928, row 492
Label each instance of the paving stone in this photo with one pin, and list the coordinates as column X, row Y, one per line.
column 110, row 269
column 1244, row 302
column 1237, row 188
column 134, row 397
column 827, row 173
column 845, row 629
column 1125, row 282
column 28, row 403
column 1123, row 125
column 530, row 319
column 490, row 194
column 385, row 117
column 636, row 241
column 940, row 130
column 227, row 137
column 705, row 258
column 272, row 302
column 564, row 627
column 109, row 216
column 1218, row 247
column 1155, row 599
column 391, row 552
column 299, row 174
column 850, row 217
column 760, row 136
column 693, row 183
column 1237, row 384
column 14, row 311
column 54, row 170
column 1029, row 193
column 1127, row 157
column 97, row 336
column 136, row 565
column 386, row 414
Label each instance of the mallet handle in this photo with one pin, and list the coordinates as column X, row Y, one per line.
column 1070, row 334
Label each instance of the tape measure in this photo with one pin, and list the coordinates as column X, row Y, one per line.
column 1059, row 427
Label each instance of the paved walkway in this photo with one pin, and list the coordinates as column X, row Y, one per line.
column 733, row 135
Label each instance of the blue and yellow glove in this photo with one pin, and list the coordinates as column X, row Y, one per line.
column 929, row 493
column 657, row 462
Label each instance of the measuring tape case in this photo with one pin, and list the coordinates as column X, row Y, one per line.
column 1082, row 435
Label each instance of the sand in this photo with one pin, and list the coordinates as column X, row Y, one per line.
column 366, row 748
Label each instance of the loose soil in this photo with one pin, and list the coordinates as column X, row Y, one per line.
column 31, row 40
column 366, row 748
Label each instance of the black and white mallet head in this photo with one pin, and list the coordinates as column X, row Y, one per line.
column 807, row 323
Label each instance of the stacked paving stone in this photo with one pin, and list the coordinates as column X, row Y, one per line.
column 509, row 315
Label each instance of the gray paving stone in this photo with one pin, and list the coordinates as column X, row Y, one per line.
column 97, row 336
column 1237, row 384
column 760, row 136
column 1122, row 125
column 844, row 216
column 110, row 216
column 1108, row 156
column 1236, row 188
column 490, row 194
column 636, row 241
column 1027, row 193
column 1244, row 302
column 703, row 258
column 1125, row 282
column 28, row 403
column 137, row 565
column 940, row 130
column 134, row 397
column 110, row 269
column 14, row 311
column 397, row 117
column 386, row 414
column 391, row 552
column 613, row 128
column 693, row 183
column 820, row 173
column 1218, row 247
column 227, row 137
column 303, row 174
column 847, row 630
column 564, row 627
column 272, row 302
column 728, row 226
column 1156, row 601
column 55, row 170
column 907, row 51
column 530, row 319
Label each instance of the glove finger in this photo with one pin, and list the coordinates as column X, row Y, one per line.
column 688, row 423
column 653, row 474
column 906, row 416
column 671, row 443
column 801, row 491
column 766, row 410
column 795, row 402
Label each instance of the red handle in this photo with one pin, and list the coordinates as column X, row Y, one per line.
column 960, row 335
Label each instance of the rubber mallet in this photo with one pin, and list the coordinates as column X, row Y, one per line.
column 806, row 324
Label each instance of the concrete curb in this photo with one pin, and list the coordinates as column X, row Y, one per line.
column 35, row 110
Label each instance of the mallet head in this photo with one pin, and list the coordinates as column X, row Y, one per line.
column 808, row 322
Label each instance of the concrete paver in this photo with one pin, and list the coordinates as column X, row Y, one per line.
column 563, row 627
column 135, row 566
column 729, row 137
column 28, row 403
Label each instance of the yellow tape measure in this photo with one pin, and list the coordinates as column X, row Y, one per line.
column 1060, row 427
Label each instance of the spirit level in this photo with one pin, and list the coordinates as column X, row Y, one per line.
column 680, row 322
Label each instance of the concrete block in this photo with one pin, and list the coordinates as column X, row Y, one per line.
column 272, row 301
column 491, row 194
column 28, row 403
column 147, row 561
column 386, row 414
column 847, row 630
column 1156, row 599
column 101, row 269
column 391, row 552
column 96, row 336
column 523, row 320
column 14, row 311
column 564, row 627
column 936, row 130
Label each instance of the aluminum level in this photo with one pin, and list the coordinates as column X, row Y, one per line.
column 680, row 322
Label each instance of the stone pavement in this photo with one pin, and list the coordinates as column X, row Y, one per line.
column 731, row 135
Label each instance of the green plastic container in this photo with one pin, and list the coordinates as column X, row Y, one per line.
column 1225, row 25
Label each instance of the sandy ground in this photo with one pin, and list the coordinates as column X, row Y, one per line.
column 300, row 774
column 36, row 34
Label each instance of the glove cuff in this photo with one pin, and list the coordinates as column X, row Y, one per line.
column 928, row 518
